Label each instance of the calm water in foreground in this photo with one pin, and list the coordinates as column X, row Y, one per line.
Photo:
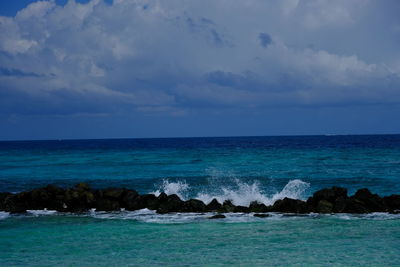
column 242, row 169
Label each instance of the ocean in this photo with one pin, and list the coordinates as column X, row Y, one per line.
column 242, row 169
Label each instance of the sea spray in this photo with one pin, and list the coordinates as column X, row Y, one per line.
column 240, row 194
column 179, row 188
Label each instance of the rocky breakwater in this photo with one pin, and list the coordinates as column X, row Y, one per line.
column 82, row 198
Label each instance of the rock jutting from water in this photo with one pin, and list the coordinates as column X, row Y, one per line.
column 82, row 198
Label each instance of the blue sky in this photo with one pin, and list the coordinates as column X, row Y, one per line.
column 151, row 68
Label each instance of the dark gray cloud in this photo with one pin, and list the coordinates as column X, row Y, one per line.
column 265, row 39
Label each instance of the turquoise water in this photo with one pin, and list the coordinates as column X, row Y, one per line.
column 85, row 241
column 242, row 169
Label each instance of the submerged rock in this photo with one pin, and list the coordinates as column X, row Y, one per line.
column 217, row 216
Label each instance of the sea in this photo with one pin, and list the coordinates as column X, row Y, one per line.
column 241, row 169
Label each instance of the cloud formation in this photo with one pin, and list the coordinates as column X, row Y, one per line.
column 174, row 57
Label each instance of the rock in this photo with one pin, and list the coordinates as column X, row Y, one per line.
column 113, row 193
column 340, row 205
column 194, row 205
column 214, row 205
column 227, row 206
column 217, row 216
column 256, row 206
column 49, row 197
column 330, row 195
column 173, row 204
column 130, row 200
column 3, row 197
column 353, row 205
column 241, row 209
column 55, row 190
column 162, row 197
column 82, row 187
column 261, row 215
column 78, row 199
column 17, row 203
column 324, row 206
column 289, row 205
column 372, row 202
column 149, row 201
column 107, row 205
column 81, row 198
column 392, row 202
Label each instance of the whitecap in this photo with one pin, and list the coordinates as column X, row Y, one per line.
column 41, row 212
column 4, row 215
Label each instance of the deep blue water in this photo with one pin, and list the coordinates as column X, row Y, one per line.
column 238, row 168
column 205, row 163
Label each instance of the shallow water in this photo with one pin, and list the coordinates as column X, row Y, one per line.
column 304, row 241
column 241, row 169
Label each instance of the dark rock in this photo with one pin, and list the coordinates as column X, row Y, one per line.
column 194, row 205
column 258, row 207
column 241, row 209
column 50, row 197
column 55, row 190
column 113, row 193
column 173, row 204
column 107, row 205
column 3, row 197
column 82, row 187
column 372, row 202
column 130, row 200
column 261, row 215
column 17, row 203
column 392, row 202
column 324, row 206
column 214, row 205
column 340, row 205
column 353, row 205
column 149, row 201
column 217, row 216
column 78, row 199
column 162, row 197
column 227, row 206
column 329, row 194
column 289, row 205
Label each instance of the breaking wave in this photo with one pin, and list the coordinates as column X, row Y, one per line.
column 179, row 188
column 240, row 193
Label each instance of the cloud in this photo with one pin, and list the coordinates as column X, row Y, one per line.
column 265, row 39
column 173, row 57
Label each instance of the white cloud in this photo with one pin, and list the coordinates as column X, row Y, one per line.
column 156, row 55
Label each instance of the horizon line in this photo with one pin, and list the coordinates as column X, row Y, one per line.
column 192, row 137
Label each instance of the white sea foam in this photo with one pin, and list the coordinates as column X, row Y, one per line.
column 4, row 215
column 179, row 188
column 240, row 194
column 41, row 212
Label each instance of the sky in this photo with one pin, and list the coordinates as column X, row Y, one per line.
column 152, row 68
